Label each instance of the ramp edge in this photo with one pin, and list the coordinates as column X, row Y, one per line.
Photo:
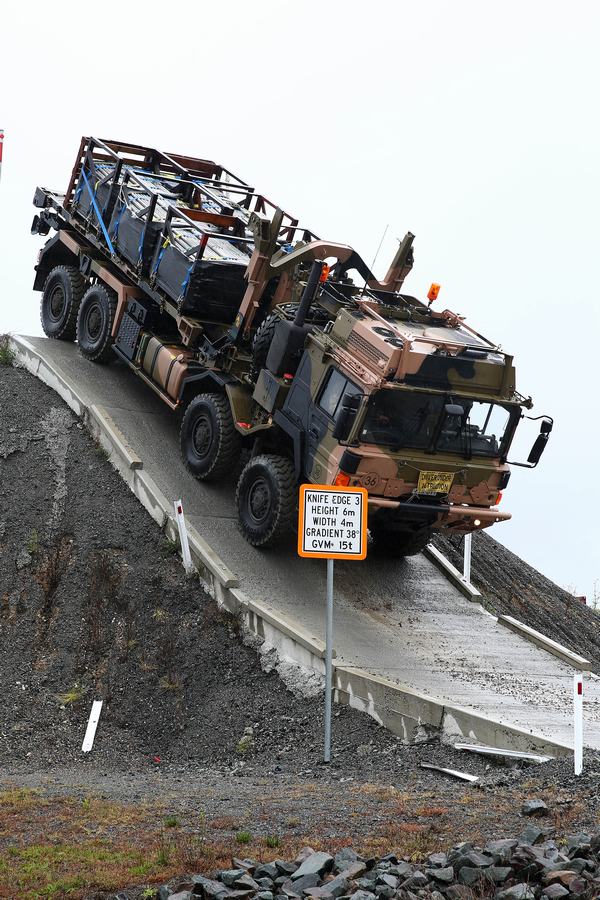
column 546, row 643
column 397, row 707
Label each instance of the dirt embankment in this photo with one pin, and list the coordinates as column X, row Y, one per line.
column 512, row 587
column 93, row 604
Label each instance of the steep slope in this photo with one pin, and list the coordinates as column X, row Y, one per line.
column 93, row 604
column 512, row 587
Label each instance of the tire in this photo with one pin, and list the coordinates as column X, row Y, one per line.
column 210, row 444
column 266, row 500
column 261, row 343
column 95, row 322
column 63, row 289
column 398, row 544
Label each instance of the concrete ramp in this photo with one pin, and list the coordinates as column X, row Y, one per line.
column 411, row 649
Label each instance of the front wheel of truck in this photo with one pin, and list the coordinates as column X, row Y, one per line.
column 95, row 322
column 63, row 289
column 266, row 499
column 209, row 442
column 396, row 544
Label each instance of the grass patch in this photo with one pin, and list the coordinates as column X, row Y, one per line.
column 172, row 822
column 159, row 614
column 224, row 823
column 60, row 870
column 170, row 683
column 7, row 354
column 272, row 841
column 33, row 542
column 74, row 695
column 101, row 452
column 430, row 811
column 169, row 547
column 243, row 837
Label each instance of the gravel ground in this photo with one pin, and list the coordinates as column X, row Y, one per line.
column 93, row 605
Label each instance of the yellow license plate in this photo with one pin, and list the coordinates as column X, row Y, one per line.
column 434, row 482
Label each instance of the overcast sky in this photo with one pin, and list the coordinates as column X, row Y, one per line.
column 474, row 125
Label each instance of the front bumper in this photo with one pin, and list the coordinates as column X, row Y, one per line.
column 454, row 517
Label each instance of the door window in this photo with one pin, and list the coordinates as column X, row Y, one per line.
column 336, row 387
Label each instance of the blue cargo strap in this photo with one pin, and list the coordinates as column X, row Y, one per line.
column 141, row 243
column 117, row 220
column 186, row 281
column 98, row 214
column 166, row 243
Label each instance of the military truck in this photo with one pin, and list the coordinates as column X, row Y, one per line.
column 278, row 349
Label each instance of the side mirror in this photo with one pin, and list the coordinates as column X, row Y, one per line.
column 538, row 448
column 345, row 421
column 38, row 226
column 454, row 409
column 539, row 444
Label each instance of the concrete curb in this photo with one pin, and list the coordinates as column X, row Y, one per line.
column 207, row 557
column 110, row 435
column 414, row 716
column 546, row 643
column 29, row 358
column 452, row 573
column 399, row 708
column 281, row 623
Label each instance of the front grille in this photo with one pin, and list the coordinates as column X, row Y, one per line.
column 361, row 345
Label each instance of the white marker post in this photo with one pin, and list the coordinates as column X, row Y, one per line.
column 578, row 722
column 183, row 537
column 90, row 731
column 467, row 558
column 332, row 524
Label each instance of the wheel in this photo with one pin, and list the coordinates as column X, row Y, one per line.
column 63, row 289
column 261, row 343
column 266, row 499
column 210, row 444
column 95, row 322
column 397, row 544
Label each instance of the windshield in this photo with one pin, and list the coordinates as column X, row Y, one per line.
column 432, row 422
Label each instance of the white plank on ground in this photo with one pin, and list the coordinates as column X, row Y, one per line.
column 90, row 732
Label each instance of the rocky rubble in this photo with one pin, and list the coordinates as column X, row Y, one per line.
column 531, row 866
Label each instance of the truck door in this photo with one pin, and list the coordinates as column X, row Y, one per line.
column 323, row 414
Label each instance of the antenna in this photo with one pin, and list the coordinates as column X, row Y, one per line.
column 375, row 257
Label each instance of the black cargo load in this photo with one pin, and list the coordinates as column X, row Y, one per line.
column 128, row 233
column 82, row 200
column 208, row 289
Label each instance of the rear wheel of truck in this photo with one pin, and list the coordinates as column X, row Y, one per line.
column 266, row 499
column 95, row 322
column 397, row 544
column 63, row 289
column 210, row 444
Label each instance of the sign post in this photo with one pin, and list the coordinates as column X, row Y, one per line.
column 467, row 558
column 183, row 537
column 332, row 524
column 578, row 722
